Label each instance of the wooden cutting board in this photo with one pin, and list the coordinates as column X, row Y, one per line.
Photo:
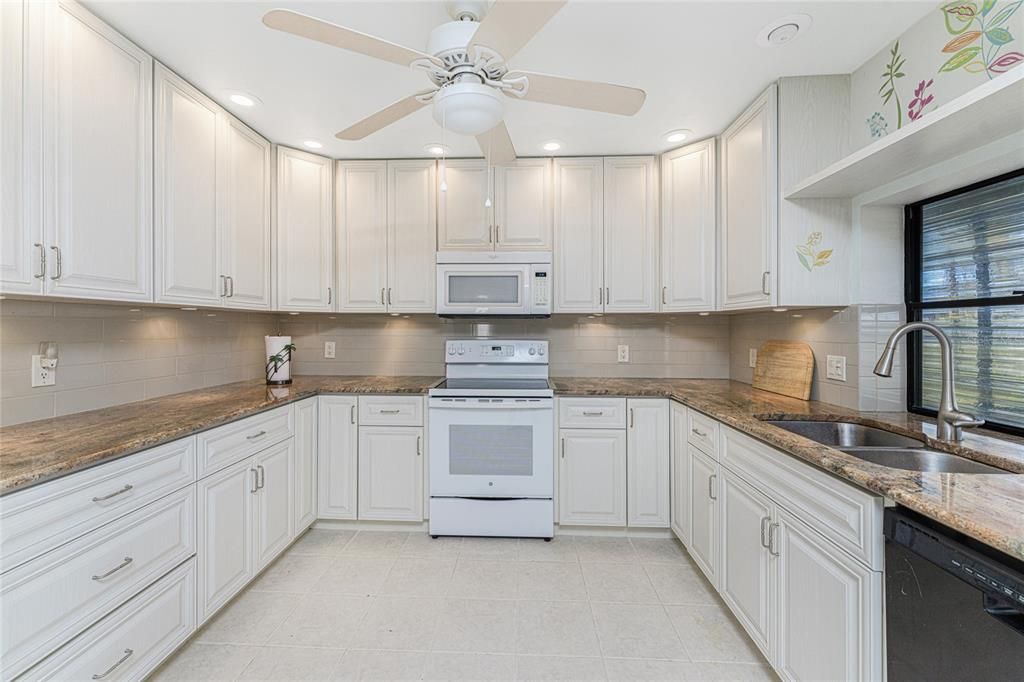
column 785, row 367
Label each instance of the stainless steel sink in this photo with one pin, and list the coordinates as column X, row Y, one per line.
column 846, row 434
column 922, row 459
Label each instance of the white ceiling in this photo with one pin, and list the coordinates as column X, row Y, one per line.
column 696, row 60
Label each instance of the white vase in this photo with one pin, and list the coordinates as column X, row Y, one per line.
column 282, row 372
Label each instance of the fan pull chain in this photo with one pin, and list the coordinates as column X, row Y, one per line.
column 444, row 151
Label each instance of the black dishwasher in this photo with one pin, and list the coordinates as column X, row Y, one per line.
column 954, row 607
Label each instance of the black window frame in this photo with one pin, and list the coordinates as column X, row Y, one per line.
column 912, row 254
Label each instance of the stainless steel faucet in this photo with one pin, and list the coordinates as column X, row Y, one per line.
column 951, row 421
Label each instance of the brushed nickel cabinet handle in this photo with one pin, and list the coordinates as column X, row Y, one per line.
column 382, row 296
column 255, row 481
column 664, row 290
column 497, row 234
column 699, row 432
column 389, row 411
column 353, row 414
column 490, row 234
column 608, row 295
column 600, row 295
column 591, row 413
column 764, row 284
column 223, row 286
column 711, row 486
column 256, row 436
column 419, row 450
column 60, row 263
column 389, row 295
column 772, row 549
column 262, row 477
column 231, row 286
column 42, row 261
column 127, row 654
column 764, row 540
column 632, row 421
column 563, row 448
column 329, row 295
column 122, row 491
column 115, row 569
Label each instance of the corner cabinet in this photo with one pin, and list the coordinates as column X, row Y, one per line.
column 304, row 229
column 688, row 228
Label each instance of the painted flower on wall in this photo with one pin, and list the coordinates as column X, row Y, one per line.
column 916, row 107
column 878, row 126
column 979, row 36
column 893, row 72
column 808, row 254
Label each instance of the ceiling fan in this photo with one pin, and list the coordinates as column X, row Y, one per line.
column 466, row 61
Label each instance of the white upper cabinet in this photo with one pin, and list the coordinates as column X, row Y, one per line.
column 98, row 179
column 522, row 205
column 185, row 193
column 244, row 223
column 631, row 235
column 464, row 221
column 412, row 236
column 578, row 235
column 304, row 231
column 361, row 196
column 688, row 228
column 749, row 196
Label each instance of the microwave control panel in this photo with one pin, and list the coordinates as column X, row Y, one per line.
column 541, row 287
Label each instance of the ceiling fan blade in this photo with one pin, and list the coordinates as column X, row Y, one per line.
column 569, row 92
column 345, row 38
column 509, row 24
column 381, row 119
column 497, row 145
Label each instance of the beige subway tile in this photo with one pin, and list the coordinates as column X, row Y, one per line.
column 81, row 400
column 36, row 329
column 13, row 308
column 25, row 409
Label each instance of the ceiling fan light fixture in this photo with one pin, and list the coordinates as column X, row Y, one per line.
column 679, row 135
column 782, row 31
column 468, row 108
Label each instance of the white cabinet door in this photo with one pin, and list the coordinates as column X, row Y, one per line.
column 98, row 186
column 245, row 224
column 592, row 477
column 830, row 620
column 185, row 193
column 336, row 457
column 464, row 221
column 361, row 196
column 304, row 497
column 391, row 473
column 749, row 199
column 647, row 452
column 704, row 512
column 688, row 228
column 522, row 204
column 412, row 236
column 747, row 570
column 225, row 535
column 631, row 235
column 305, row 229
column 23, row 250
column 578, row 235
column 274, row 501
column 680, row 493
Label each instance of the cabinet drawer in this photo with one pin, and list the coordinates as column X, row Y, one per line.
column 390, row 410
column 48, row 601
column 133, row 640
column 46, row 516
column 230, row 443
column 592, row 413
column 702, row 431
column 849, row 517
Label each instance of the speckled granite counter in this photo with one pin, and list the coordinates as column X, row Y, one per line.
column 989, row 507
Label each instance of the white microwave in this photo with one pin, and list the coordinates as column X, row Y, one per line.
column 493, row 283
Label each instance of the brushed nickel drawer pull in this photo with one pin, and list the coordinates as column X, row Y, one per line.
column 764, row 284
column 60, row 263
column 256, row 435
column 389, row 295
column 699, row 432
column 122, row 491
column 591, row 413
column 390, row 411
column 632, row 421
column 115, row 569
column 664, row 290
column 771, row 540
column 353, row 414
column 255, row 481
column 563, row 448
column 127, row 654
column 419, row 451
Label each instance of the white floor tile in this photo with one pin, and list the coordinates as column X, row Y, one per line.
column 497, row 549
column 636, row 631
column 556, row 628
column 292, row 663
column 731, row 672
column 477, row 625
column 362, row 575
column 295, row 573
column 710, row 633
column 376, row 543
column 201, row 662
column 381, row 665
column 249, row 619
column 450, row 666
column 322, row 620
column 422, row 545
column 558, row 549
column 646, row 669
column 608, row 550
column 484, row 579
column 658, row 549
column 559, row 668
column 327, row 542
column 680, row 583
column 618, row 583
column 400, row 623
column 419, row 577
column 550, row 581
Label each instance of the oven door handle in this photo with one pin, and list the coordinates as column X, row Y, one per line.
column 546, row 405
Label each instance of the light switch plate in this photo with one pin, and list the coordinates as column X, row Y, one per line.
column 329, row 350
column 623, row 353
column 42, row 376
column 753, row 357
column 835, row 367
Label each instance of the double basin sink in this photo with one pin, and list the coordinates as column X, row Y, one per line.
column 883, row 447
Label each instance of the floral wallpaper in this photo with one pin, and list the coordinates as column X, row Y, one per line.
column 952, row 49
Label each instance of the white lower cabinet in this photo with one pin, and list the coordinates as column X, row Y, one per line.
column 391, row 473
column 680, row 475
column 304, row 495
column 337, row 440
column 704, row 512
column 592, row 477
column 647, row 476
column 273, row 501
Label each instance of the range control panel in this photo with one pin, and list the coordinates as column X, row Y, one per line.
column 491, row 351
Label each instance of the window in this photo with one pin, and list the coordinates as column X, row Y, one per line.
column 965, row 274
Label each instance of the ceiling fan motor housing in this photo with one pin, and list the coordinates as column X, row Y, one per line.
column 468, row 108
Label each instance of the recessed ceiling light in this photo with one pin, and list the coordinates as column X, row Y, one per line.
column 782, row 31
column 551, row 146
column 435, row 149
column 779, row 310
column 677, row 135
column 243, row 99
column 703, row 314
column 293, row 313
column 312, row 144
column 135, row 310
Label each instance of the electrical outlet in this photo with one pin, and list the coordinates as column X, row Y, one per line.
column 42, row 376
column 329, row 350
column 835, row 367
column 623, row 353
column 753, row 357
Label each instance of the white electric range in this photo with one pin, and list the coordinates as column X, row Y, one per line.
column 492, row 441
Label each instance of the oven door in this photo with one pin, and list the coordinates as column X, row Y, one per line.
column 492, row 447
column 485, row 289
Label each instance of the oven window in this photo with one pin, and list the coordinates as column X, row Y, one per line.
column 490, row 450
column 483, row 289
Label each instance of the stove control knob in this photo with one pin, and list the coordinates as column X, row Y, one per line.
column 540, row 351
column 532, row 351
column 451, row 350
column 462, row 350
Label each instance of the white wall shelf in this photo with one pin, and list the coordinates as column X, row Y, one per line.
column 989, row 112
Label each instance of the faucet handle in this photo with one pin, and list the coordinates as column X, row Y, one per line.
column 962, row 419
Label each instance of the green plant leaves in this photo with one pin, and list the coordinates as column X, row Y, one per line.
column 987, row 7
column 803, row 261
column 960, row 59
column 999, row 36
column 958, row 16
column 1003, row 15
column 961, row 41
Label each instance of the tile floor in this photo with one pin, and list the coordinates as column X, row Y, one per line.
column 341, row 605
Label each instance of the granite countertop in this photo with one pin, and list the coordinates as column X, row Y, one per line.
column 989, row 507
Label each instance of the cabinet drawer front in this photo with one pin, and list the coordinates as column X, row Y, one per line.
column 592, row 413
column 230, row 443
column 848, row 516
column 702, row 431
column 390, row 410
column 48, row 601
column 133, row 640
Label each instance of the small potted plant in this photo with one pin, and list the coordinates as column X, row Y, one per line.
column 279, row 356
